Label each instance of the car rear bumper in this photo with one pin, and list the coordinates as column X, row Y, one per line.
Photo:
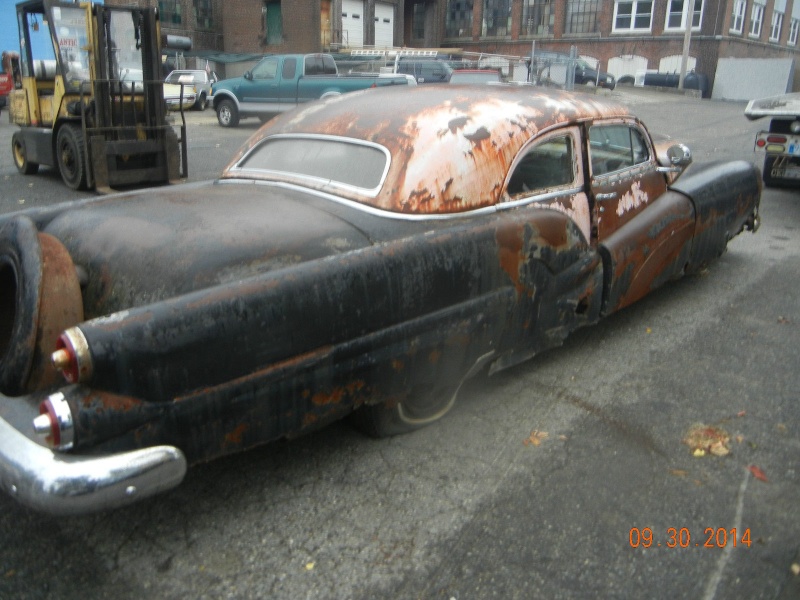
column 68, row 484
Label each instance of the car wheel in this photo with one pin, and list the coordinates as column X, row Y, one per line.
column 20, row 155
column 227, row 114
column 201, row 103
column 71, row 157
column 394, row 417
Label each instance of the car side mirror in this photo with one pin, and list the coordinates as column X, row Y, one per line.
column 679, row 155
column 673, row 161
column 248, row 75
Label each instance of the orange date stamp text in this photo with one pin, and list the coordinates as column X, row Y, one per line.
column 682, row 538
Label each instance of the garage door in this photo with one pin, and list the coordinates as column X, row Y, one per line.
column 353, row 23
column 384, row 25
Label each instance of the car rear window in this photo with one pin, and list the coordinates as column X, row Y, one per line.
column 334, row 161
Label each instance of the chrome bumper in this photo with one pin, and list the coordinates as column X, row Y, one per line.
column 67, row 484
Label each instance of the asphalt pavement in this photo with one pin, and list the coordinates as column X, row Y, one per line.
column 574, row 475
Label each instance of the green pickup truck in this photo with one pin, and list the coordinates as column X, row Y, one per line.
column 281, row 82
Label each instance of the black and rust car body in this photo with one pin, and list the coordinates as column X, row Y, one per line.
column 369, row 252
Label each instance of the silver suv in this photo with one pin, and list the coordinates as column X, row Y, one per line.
column 199, row 79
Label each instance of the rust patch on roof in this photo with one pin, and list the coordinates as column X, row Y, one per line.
column 450, row 148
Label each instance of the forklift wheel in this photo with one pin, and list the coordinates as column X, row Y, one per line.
column 24, row 166
column 71, row 157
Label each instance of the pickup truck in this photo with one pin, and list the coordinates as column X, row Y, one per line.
column 280, row 82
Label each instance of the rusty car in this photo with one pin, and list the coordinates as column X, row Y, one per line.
column 361, row 257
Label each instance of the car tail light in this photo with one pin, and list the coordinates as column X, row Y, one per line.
column 775, row 148
column 761, row 143
column 72, row 358
column 55, row 422
column 776, row 139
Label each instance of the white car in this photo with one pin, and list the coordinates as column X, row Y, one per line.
column 200, row 80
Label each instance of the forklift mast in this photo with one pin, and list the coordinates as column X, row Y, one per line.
column 91, row 101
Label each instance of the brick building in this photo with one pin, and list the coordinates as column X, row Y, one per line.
column 623, row 36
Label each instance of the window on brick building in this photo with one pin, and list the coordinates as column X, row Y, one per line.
column 633, row 16
column 418, row 21
column 776, row 27
column 756, row 20
column 538, row 17
column 273, row 22
column 170, row 11
column 496, row 18
column 737, row 16
column 794, row 27
column 582, row 16
column 676, row 14
column 458, row 22
column 204, row 14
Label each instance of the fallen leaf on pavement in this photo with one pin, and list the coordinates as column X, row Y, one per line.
column 796, row 569
column 758, row 473
column 706, row 439
column 536, row 438
column 678, row 472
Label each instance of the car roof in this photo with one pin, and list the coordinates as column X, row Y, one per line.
column 450, row 146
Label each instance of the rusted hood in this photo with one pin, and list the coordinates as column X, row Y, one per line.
column 161, row 243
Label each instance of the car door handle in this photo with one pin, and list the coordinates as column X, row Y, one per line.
column 609, row 196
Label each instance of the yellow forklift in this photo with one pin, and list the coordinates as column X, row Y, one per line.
column 89, row 99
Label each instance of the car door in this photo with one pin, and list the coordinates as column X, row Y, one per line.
column 549, row 174
column 262, row 87
column 625, row 177
column 545, row 244
column 643, row 230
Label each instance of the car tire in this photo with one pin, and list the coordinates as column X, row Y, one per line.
column 395, row 417
column 227, row 113
column 70, row 156
column 20, row 155
column 201, row 103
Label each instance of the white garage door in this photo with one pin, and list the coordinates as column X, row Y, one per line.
column 384, row 25
column 353, row 23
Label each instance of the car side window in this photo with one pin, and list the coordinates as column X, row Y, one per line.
column 615, row 147
column 289, row 68
column 546, row 165
column 267, row 69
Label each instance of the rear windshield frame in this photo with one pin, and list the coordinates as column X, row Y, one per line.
column 241, row 168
